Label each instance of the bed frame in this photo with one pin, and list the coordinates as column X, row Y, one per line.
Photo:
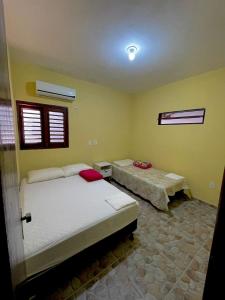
column 38, row 284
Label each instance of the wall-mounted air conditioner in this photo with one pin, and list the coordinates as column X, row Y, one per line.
column 55, row 91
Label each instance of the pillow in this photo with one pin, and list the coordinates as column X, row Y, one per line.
column 142, row 164
column 90, row 175
column 71, row 170
column 44, row 174
column 123, row 162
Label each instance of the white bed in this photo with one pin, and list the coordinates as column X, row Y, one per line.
column 68, row 215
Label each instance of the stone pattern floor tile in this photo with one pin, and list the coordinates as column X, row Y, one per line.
column 191, row 284
column 167, row 260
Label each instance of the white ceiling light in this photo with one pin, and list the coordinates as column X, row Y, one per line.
column 132, row 51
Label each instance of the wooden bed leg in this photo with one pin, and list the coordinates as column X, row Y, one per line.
column 131, row 237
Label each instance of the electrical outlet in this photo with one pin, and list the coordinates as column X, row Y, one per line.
column 212, row 185
column 92, row 142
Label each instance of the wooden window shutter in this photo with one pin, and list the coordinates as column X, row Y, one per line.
column 58, row 127
column 42, row 126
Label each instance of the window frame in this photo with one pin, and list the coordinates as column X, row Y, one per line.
column 45, row 128
column 160, row 118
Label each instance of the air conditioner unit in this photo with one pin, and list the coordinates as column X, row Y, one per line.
column 55, row 91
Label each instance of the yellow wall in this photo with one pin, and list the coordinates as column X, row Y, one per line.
column 194, row 151
column 126, row 126
column 99, row 113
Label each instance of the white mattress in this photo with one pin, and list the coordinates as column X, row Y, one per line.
column 68, row 215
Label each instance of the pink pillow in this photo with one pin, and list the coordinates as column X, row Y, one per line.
column 90, row 175
column 142, row 165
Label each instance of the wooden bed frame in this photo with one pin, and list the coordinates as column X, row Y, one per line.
column 39, row 283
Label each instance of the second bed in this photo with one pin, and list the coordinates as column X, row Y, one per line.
column 152, row 184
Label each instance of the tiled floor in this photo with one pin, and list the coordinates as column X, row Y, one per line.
column 167, row 259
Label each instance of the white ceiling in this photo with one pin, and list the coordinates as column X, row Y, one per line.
column 87, row 38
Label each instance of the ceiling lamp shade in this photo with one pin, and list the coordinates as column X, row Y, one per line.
column 132, row 51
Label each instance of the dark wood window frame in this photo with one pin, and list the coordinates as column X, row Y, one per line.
column 44, row 124
column 167, row 116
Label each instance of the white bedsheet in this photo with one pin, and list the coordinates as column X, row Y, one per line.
column 68, row 215
column 120, row 200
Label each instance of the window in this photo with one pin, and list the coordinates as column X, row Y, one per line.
column 42, row 126
column 6, row 124
column 192, row 116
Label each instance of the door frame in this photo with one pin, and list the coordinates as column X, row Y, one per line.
column 6, row 279
column 214, row 283
column 11, row 242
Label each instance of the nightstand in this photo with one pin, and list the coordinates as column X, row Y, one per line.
column 105, row 168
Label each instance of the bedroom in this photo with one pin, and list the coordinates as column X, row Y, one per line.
column 179, row 67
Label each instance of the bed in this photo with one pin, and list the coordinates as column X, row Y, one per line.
column 68, row 216
column 153, row 185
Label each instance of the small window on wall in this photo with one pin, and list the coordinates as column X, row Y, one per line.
column 42, row 126
column 192, row 116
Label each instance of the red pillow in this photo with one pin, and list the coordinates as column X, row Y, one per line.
column 142, row 165
column 90, row 175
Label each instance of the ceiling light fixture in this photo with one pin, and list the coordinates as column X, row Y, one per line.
column 132, row 51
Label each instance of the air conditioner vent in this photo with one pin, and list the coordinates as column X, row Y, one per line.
column 55, row 91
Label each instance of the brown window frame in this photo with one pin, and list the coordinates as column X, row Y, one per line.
column 45, row 128
column 161, row 117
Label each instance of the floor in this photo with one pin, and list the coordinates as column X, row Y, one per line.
column 166, row 260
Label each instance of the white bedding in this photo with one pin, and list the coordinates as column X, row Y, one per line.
column 120, row 200
column 68, row 215
column 174, row 176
